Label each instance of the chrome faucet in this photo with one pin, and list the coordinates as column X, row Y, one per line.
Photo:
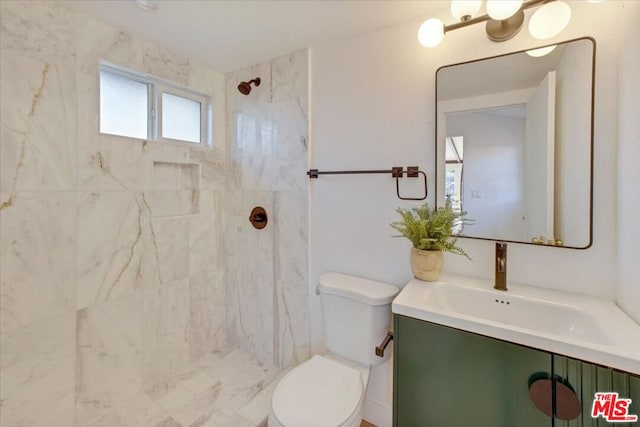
column 501, row 267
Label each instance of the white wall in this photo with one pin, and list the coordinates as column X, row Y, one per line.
column 571, row 194
column 629, row 177
column 372, row 106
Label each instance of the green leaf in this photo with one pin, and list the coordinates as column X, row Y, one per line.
column 431, row 229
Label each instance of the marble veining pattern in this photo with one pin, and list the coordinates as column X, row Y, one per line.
column 120, row 281
column 34, row 157
column 290, row 269
column 267, row 131
column 37, row 271
column 108, row 355
column 290, row 75
column 271, row 144
column 44, row 30
column 113, row 235
column 37, row 381
column 105, row 162
column 250, row 285
column 206, row 324
column 226, row 388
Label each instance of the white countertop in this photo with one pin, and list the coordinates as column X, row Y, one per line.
column 581, row 327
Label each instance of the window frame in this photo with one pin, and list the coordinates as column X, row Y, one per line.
column 199, row 98
column 156, row 87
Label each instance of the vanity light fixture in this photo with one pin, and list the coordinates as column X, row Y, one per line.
column 549, row 20
column 504, row 19
column 541, row 51
column 501, row 10
column 465, row 9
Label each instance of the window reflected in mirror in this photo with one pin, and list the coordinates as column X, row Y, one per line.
column 453, row 173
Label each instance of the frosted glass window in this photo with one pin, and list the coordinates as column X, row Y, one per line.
column 123, row 106
column 181, row 118
column 141, row 106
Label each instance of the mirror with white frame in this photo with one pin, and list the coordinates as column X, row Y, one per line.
column 514, row 144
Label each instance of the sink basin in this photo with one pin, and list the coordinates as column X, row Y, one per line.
column 524, row 312
column 581, row 327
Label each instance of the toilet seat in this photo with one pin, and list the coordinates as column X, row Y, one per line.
column 319, row 393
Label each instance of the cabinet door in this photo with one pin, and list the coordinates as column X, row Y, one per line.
column 445, row 377
column 586, row 379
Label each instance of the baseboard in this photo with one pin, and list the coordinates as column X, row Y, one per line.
column 378, row 413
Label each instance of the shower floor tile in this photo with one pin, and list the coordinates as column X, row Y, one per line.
column 226, row 389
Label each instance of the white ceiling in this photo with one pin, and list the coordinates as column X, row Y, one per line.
column 500, row 74
column 229, row 35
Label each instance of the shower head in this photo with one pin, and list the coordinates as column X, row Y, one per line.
column 245, row 87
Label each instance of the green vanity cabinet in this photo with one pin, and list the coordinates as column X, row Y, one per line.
column 587, row 379
column 445, row 377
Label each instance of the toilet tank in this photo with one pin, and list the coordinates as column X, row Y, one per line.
column 357, row 315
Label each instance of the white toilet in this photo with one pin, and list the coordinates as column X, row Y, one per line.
column 329, row 390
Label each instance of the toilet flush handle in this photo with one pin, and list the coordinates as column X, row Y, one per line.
column 383, row 345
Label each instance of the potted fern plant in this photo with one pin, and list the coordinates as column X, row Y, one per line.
column 430, row 231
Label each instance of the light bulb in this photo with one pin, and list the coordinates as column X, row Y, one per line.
column 549, row 20
column 502, row 9
column 461, row 8
column 431, row 32
column 541, row 51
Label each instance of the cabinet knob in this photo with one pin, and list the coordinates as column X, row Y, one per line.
column 567, row 406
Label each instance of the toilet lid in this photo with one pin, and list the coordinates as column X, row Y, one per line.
column 317, row 393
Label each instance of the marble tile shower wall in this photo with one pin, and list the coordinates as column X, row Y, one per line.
column 267, row 133
column 112, row 278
